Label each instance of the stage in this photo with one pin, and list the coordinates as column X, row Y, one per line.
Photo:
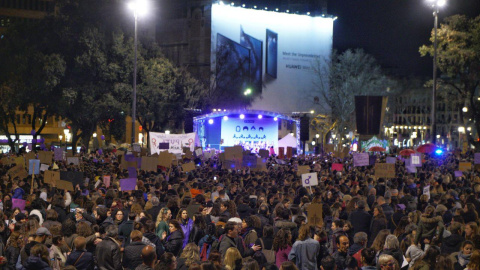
column 252, row 129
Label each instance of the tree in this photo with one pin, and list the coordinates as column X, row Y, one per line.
column 458, row 59
column 342, row 77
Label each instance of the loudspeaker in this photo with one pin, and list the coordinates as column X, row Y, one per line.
column 188, row 123
column 304, row 128
column 369, row 112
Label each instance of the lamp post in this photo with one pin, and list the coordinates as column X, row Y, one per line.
column 60, row 137
column 138, row 7
column 435, row 4
column 66, row 132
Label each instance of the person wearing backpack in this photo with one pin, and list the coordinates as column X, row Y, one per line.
column 206, row 243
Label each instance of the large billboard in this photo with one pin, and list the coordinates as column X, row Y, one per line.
column 270, row 52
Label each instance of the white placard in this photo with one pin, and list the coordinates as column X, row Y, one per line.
column 415, row 160
column 74, row 160
column 198, row 152
column 426, row 191
column 43, row 167
column 309, row 179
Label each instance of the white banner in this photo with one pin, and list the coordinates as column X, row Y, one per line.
column 176, row 142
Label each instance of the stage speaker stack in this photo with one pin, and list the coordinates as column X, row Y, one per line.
column 369, row 112
column 304, row 128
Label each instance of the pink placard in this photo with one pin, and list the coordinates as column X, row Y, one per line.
column 18, row 203
column 106, row 180
column 337, row 167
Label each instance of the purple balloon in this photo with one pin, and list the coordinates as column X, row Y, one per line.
column 33, row 132
column 102, row 137
column 25, row 144
column 34, row 141
column 41, row 140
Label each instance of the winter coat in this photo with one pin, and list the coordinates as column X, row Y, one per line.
column 35, row 263
column 452, row 243
column 174, row 243
column 125, row 229
column 196, row 234
column 377, row 225
column 86, row 262
column 340, row 258
column 11, row 254
column 427, row 228
column 108, row 255
column 227, row 242
column 156, row 242
column 304, row 254
column 285, row 224
column 249, row 237
column 187, row 229
column 132, row 255
column 162, row 227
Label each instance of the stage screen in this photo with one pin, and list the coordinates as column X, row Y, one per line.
column 252, row 133
column 282, row 49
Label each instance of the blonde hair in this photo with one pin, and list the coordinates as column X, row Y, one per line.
column 231, row 256
column 385, row 258
column 474, row 260
column 191, row 254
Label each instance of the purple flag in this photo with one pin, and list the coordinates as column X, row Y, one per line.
column 128, row 184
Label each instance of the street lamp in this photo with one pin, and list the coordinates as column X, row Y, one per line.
column 139, row 7
column 435, row 5
column 66, row 132
column 60, row 137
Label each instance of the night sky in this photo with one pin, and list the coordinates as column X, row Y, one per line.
column 390, row 30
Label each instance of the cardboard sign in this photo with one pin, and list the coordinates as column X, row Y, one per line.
column 426, row 191
column 233, row 153
column 188, row 167
column 187, row 152
column 28, row 156
column 73, row 160
column 198, row 152
column 309, row 179
column 58, row 154
column 249, row 161
column 384, row 170
column 464, row 166
column 76, row 178
column 289, row 152
column 106, row 180
column 458, row 173
column 128, row 184
column 136, row 148
column 416, row 160
column 43, row 167
column 302, row 170
column 33, row 166
column 65, row 185
column 281, row 152
column 314, row 211
column 263, row 153
column 18, row 171
column 261, row 165
column 45, row 157
column 328, row 148
column 477, row 158
column 391, row 160
column 51, row 177
column 337, row 167
column 361, row 159
column 165, row 159
column 18, row 203
column 149, row 164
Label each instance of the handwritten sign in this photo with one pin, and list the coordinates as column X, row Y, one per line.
column 188, row 167
column 303, row 169
column 149, row 164
column 361, row 159
column 309, row 179
column 128, row 184
column 18, row 171
column 337, row 167
column 51, row 177
column 33, row 166
column 464, row 166
column 65, row 185
column 384, row 170
column 45, row 157
column 176, row 142
column 43, row 167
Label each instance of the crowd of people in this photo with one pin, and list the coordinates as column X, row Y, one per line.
column 245, row 219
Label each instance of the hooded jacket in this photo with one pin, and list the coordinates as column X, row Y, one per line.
column 174, row 243
column 427, row 228
column 35, row 263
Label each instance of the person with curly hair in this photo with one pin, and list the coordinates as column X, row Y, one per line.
column 173, row 243
column 430, row 226
column 232, row 259
column 190, row 255
column 161, row 223
column 282, row 245
column 305, row 250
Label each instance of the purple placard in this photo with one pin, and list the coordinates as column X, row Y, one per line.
column 18, row 203
column 458, row 173
column 164, row 146
column 128, row 184
column 130, row 158
column 100, row 151
column 372, row 160
column 391, row 160
column 360, row 159
column 477, row 158
column 132, row 172
column 411, row 169
column 58, row 154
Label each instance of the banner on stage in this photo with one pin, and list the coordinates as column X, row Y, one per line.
column 176, row 142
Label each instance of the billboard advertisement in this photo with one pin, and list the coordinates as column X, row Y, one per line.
column 252, row 133
column 270, row 52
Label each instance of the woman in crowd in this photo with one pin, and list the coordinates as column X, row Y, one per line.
column 471, row 229
column 305, row 250
column 38, row 259
column 470, row 213
column 392, row 247
column 428, row 260
column 233, row 259
column 368, row 257
column 167, row 262
column 474, row 261
column 462, row 258
column 190, row 255
column 186, row 224
column 429, row 226
column 379, row 222
column 14, row 244
column 387, row 262
column 282, row 245
column 118, row 217
column 161, row 223
column 249, row 235
column 173, row 243
column 444, row 262
column 198, row 230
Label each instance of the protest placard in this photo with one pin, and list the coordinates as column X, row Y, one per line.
column 188, row 167
column 281, row 152
column 384, row 170
column 128, row 184
column 28, row 156
column 261, row 165
column 337, row 167
column 309, row 179
column 391, row 160
column 464, row 166
column 132, row 172
column 33, row 166
column 263, row 153
column 149, row 164
column 73, row 160
column 65, row 185
column 426, row 191
column 45, row 157
column 18, row 203
column 76, row 178
column 165, row 159
column 58, row 154
column 361, row 159
column 176, row 142
column 51, row 177
column 458, row 173
column 18, row 171
column 233, row 153
column 250, row 161
column 198, row 151
column 302, row 170
column 106, row 180
column 187, row 153
column 314, row 211
column 43, row 167
column 416, row 160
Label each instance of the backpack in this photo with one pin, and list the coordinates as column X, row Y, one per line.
column 216, row 243
column 269, row 254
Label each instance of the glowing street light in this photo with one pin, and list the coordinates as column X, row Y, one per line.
column 247, row 92
column 139, row 7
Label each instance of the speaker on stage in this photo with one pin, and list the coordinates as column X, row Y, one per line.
column 304, row 128
column 188, row 123
column 369, row 112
